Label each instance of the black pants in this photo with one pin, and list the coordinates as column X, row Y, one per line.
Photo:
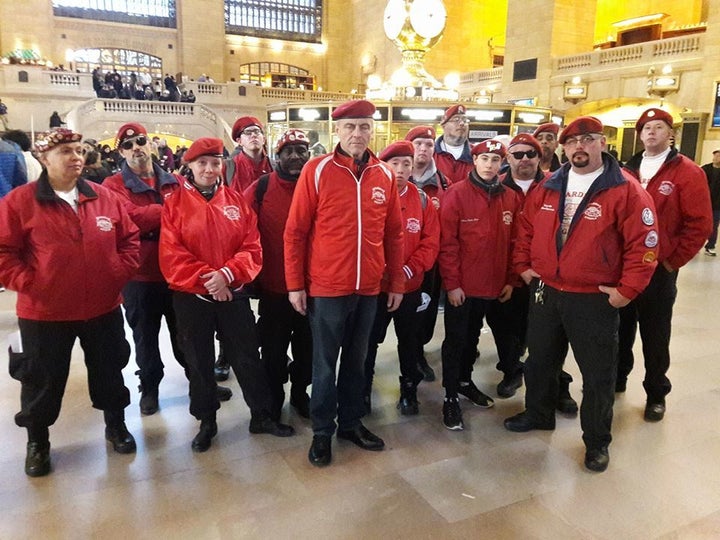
column 146, row 303
column 431, row 285
column 197, row 320
column 462, row 334
column 590, row 324
column 652, row 310
column 279, row 325
column 409, row 347
column 339, row 323
column 44, row 365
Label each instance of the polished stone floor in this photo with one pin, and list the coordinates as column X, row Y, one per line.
column 663, row 480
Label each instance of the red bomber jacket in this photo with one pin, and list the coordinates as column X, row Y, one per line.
column 199, row 236
column 66, row 266
column 612, row 239
column 476, row 238
column 344, row 229
column 144, row 205
column 421, row 230
column 272, row 214
column 682, row 198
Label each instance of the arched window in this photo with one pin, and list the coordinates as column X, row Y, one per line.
column 148, row 12
column 293, row 20
column 123, row 60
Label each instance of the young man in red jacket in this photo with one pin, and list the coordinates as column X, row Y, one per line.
column 476, row 222
column 279, row 325
column 343, row 233
column 143, row 186
column 422, row 240
column 682, row 198
column 586, row 245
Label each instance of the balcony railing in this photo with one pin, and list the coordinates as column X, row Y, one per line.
column 663, row 50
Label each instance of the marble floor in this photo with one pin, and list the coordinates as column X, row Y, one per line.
column 485, row 482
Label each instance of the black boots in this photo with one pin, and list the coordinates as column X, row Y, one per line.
column 203, row 440
column 117, row 433
column 37, row 459
column 408, row 403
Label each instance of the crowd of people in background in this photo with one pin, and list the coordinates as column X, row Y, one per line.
column 114, row 85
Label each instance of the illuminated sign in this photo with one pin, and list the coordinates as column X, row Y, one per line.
column 277, row 116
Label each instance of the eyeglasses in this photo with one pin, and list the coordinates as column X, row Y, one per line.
column 128, row 144
column 251, row 131
column 582, row 139
column 460, row 120
column 529, row 153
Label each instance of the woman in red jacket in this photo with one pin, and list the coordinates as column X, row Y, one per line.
column 209, row 249
column 67, row 247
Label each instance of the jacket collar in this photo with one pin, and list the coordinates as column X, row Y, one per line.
column 45, row 192
column 465, row 156
column 509, row 181
column 633, row 164
column 133, row 182
column 611, row 176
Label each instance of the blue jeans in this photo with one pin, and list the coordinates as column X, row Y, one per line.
column 339, row 325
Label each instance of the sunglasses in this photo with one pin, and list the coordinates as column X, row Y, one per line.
column 529, row 153
column 127, row 145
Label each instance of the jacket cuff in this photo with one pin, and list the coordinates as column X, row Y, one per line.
column 409, row 274
column 227, row 274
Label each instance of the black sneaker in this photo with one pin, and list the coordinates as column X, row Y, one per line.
column 452, row 414
column 149, row 404
column 597, row 459
column 509, row 385
column 408, row 403
column 471, row 392
column 710, row 252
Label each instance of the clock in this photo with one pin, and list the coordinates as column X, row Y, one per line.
column 394, row 18
column 427, row 17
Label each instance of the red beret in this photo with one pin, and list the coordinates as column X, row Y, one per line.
column 358, row 108
column 291, row 136
column 50, row 139
column 398, row 149
column 550, row 127
column 654, row 114
column 525, row 138
column 452, row 111
column 489, row 146
column 581, row 126
column 204, row 146
column 242, row 123
column 129, row 130
column 420, row 132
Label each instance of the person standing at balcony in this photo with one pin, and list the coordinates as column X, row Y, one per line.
column 143, row 186
column 4, row 116
column 344, row 231
column 680, row 191
column 207, row 278
column 452, row 148
column 476, row 221
column 67, row 247
column 421, row 230
column 586, row 247
column 427, row 177
column 547, row 136
column 55, row 120
column 712, row 172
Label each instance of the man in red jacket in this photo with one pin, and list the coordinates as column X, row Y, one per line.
column 143, row 186
column 452, row 148
column 422, row 241
column 476, row 221
column 524, row 176
column 682, row 198
column 343, row 233
column 427, row 177
column 586, row 245
column 279, row 325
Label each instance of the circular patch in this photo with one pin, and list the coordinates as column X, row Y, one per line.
column 649, row 257
column 648, row 218
column 651, row 240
